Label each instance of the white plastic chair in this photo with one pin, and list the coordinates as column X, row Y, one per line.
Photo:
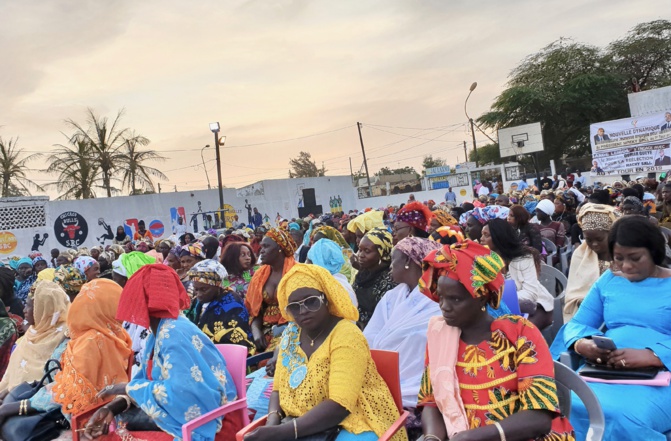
column 551, row 248
column 568, row 380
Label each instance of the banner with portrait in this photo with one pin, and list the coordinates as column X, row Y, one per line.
column 631, row 145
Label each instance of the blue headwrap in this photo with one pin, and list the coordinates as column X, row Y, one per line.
column 293, row 226
column 327, row 254
column 38, row 259
column 530, row 206
column 23, row 260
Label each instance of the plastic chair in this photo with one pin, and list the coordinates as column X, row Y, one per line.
column 258, row 358
column 567, row 380
column 510, row 297
column 550, row 277
column 236, row 363
column 387, row 366
column 551, row 248
column 565, row 254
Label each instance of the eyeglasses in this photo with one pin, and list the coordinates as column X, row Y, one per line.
column 311, row 304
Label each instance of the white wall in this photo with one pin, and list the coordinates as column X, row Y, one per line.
column 87, row 218
column 650, row 102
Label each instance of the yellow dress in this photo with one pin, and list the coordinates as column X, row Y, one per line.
column 342, row 370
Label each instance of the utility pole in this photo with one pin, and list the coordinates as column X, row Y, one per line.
column 475, row 148
column 351, row 173
column 365, row 163
column 159, row 188
column 465, row 153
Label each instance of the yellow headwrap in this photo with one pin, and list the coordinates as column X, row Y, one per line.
column 366, row 222
column 316, row 277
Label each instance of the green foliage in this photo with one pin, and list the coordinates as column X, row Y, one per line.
column 386, row 171
column 305, row 167
column 13, row 169
column 486, row 154
column 566, row 86
column 429, row 162
column 77, row 170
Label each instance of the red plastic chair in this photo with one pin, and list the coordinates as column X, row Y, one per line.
column 387, row 366
column 236, row 363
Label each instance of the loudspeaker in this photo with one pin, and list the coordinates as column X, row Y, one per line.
column 309, row 199
column 316, row 210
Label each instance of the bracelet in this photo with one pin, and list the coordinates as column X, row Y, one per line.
column 575, row 347
column 429, row 436
column 23, row 407
column 127, row 399
column 295, row 428
column 277, row 412
column 502, row 434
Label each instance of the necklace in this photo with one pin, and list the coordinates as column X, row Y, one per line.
column 312, row 340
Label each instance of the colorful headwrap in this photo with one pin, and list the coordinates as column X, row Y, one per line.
column 154, row 291
column 383, row 239
column 327, row 254
column 416, row 214
column 475, row 266
column 84, row 263
column 70, row 279
column 117, row 250
column 47, row 274
column 293, row 226
column 597, row 217
column 447, row 235
column 194, row 249
column 284, row 240
column 416, row 248
column 23, row 260
column 133, row 261
column 208, row 271
column 38, row 259
column 332, row 234
column 316, row 277
column 444, row 218
column 34, row 254
column 366, row 222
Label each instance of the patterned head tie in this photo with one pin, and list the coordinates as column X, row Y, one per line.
column 597, row 217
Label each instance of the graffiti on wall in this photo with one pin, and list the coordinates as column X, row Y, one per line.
column 107, row 235
column 38, row 242
column 71, row 229
column 8, row 242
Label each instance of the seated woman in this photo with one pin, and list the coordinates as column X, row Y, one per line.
column 528, row 233
column 277, row 257
column 25, row 277
column 549, row 229
column 96, row 357
column 632, row 302
column 447, row 235
column 485, row 378
column 522, row 267
column 9, row 332
column 591, row 258
column 412, row 220
column 46, row 312
column 325, row 377
column 401, row 318
column 240, row 262
column 88, row 266
column 373, row 279
column 327, row 232
column 183, row 377
column 220, row 313
column 441, row 218
column 327, row 254
column 473, row 221
column 189, row 255
column 70, row 279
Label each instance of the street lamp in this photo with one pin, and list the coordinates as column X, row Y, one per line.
column 475, row 148
column 214, row 127
column 205, row 168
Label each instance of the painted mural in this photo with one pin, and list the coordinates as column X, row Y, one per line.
column 71, row 229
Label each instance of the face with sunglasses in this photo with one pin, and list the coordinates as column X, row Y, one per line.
column 400, row 231
column 309, row 309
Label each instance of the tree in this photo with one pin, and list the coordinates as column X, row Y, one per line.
column 106, row 140
column 486, row 154
column 430, row 162
column 77, row 169
column 386, row 171
column 305, row 167
column 13, row 169
column 135, row 173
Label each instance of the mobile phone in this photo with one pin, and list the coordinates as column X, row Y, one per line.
column 662, row 176
column 604, row 343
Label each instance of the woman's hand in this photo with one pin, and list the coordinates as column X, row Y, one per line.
column 271, row 433
column 633, row 358
column 270, row 366
column 112, row 390
column 99, row 423
column 259, row 341
column 588, row 349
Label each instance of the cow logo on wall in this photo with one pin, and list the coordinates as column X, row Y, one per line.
column 71, row 229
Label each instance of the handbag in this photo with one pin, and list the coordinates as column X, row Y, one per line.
column 609, row 373
column 42, row 426
column 327, row 435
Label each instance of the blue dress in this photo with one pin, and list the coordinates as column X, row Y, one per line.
column 637, row 315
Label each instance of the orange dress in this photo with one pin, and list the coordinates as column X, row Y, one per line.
column 511, row 372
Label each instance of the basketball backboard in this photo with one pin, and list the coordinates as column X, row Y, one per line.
column 520, row 140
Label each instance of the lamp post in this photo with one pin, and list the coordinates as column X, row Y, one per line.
column 205, row 168
column 214, row 127
column 475, row 148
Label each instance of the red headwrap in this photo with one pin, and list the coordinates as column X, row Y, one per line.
column 471, row 264
column 154, row 291
column 416, row 214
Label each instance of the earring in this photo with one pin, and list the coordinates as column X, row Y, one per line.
column 407, row 267
column 484, row 308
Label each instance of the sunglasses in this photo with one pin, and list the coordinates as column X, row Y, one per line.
column 311, row 304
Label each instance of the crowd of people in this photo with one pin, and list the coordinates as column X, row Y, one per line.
column 128, row 331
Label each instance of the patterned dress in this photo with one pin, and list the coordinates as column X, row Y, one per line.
column 239, row 284
column 226, row 321
column 511, row 372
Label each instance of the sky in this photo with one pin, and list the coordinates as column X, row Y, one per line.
column 280, row 77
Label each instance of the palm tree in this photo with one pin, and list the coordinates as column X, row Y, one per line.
column 77, row 169
column 13, row 170
column 135, row 173
column 105, row 140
